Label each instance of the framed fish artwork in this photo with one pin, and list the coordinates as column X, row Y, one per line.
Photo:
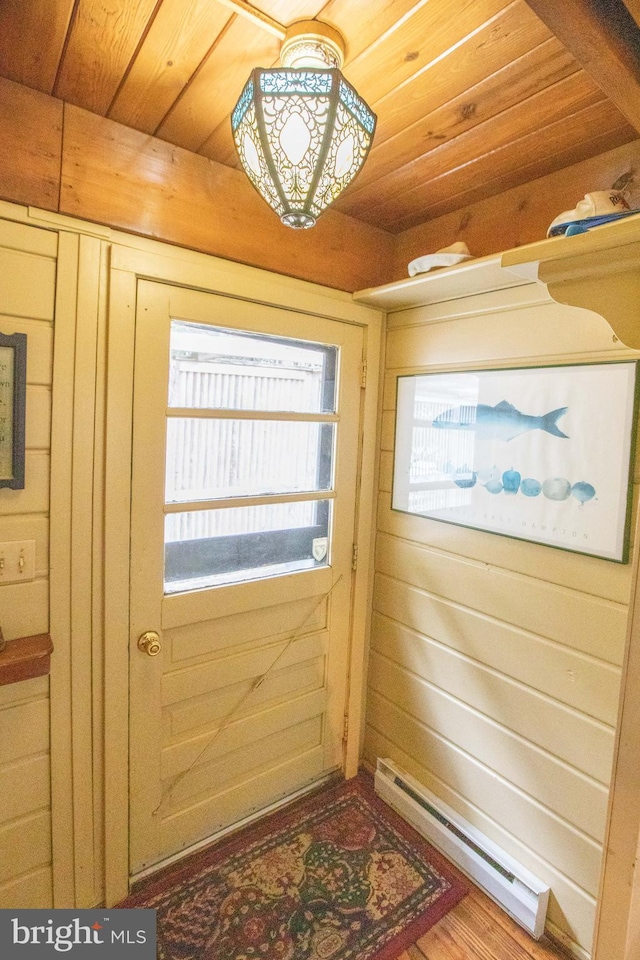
column 537, row 453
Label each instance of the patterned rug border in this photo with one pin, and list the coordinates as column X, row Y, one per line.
column 274, row 823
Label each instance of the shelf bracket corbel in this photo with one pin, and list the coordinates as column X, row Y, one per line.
column 605, row 281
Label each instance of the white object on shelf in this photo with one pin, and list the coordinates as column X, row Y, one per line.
column 446, row 257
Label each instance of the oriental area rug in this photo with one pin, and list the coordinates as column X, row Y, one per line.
column 334, row 876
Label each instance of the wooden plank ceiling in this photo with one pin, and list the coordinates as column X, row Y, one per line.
column 473, row 96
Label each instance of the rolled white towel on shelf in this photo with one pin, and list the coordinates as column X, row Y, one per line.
column 446, row 257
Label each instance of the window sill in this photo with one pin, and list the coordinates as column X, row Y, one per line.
column 25, row 658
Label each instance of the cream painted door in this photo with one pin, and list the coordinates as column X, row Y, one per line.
column 245, row 458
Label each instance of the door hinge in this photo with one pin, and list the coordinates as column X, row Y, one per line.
column 354, row 557
column 363, row 377
column 345, row 729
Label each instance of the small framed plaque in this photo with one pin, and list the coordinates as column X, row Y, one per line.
column 13, row 387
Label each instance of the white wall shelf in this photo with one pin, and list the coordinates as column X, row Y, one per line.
column 598, row 270
column 449, row 283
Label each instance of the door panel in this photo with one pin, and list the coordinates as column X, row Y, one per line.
column 196, row 606
column 245, row 703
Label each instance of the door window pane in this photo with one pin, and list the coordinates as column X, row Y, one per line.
column 217, row 456
column 210, row 459
column 220, row 369
column 207, row 548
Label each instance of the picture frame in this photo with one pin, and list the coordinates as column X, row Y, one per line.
column 13, row 391
column 542, row 454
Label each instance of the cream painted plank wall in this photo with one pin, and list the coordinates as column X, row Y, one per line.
column 27, row 297
column 495, row 664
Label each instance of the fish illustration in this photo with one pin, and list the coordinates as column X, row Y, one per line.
column 503, row 421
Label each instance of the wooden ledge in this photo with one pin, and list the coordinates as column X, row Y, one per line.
column 25, row 658
column 480, row 275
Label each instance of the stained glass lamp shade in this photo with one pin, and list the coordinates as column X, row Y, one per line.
column 301, row 131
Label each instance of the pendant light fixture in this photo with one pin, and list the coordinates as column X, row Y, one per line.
column 301, row 131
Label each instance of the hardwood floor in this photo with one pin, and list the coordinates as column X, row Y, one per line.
column 476, row 929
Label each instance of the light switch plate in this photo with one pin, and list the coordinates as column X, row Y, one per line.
column 17, row 561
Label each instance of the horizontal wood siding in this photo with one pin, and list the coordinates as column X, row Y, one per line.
column 521, row 214
column 25, row 817
column 65, row 159
column 495, row 663
column 27, row 293
column 30, row 146
column 68, row 160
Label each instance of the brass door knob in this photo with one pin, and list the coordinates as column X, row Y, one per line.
column 149, row 643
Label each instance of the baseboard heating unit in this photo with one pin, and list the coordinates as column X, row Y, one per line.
column 517, row 891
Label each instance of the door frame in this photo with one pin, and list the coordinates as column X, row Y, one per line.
column 150, row 260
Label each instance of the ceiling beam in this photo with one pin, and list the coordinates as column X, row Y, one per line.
column 634, row 9
column 605, row 40
column 256, row 16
